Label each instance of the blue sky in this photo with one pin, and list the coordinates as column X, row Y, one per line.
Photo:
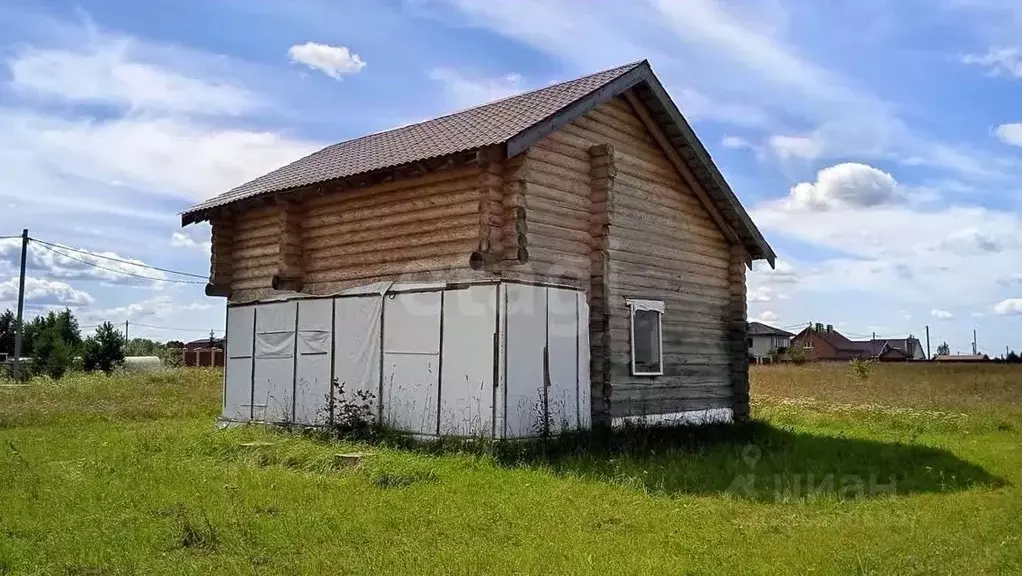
column 877, row 145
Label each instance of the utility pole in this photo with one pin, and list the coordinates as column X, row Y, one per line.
column 928, row 342
column 125, row 337
column 974, row 351
column 21, row 306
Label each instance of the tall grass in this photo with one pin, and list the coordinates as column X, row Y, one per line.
column 127, row 475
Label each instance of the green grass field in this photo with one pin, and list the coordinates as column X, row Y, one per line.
column 914, row 471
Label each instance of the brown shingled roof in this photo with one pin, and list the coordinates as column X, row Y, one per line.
column 517, row 121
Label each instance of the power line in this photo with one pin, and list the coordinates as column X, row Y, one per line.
column 47, row 246
column 203, row 330
column 94, row 255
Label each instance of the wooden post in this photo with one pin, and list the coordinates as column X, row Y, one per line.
column 928, row 357
column 16, row 368
column 602, row 173
column 738, row 334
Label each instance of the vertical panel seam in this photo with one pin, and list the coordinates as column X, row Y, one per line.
column 440, row 362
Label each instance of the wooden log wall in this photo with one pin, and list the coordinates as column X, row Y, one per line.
column 649, row 237
column 221, row 261
column 255, row 248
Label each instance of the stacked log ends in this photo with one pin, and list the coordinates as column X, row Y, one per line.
column 290, row 266
column 491, row 209
column 221, row 261
column 737, row 334
column 514, row 227
column 602, row 173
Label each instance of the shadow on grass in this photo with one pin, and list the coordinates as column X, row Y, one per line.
column 754, row 461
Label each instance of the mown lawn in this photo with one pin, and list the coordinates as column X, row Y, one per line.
column 915, row 471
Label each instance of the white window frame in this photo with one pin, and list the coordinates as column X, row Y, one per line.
column 652, row 306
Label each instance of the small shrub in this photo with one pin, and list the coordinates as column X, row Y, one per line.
column 350, row 413
column 862, row 368
column 797, row 355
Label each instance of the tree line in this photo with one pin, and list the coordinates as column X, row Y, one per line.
column 55, row 344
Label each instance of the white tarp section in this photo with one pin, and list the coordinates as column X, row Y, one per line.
column 562, row 343
column 411, row 361
column 466, row 388
column 357, row 350
column 238, row 363
column 312, row 375
column 526, row 340
column 585, row 409
column 273, row 383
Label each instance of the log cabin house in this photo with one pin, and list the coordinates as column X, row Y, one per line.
column 555, row 258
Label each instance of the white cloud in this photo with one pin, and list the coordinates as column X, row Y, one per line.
column 998, row 61
column 334, row 61
column 782, row 272
column 765, row 317
column 760, row 294
column 1010, row 134
column 941, row 314
column 735, row 53
column 171, row 155
column 697, row 107
column 1013, row 279
column 1009, row 307
column 69, row 265
column 804, row 147
column 106, row 71
column 845, row 185
column 183, row 240
column 41, row 292
column 968, row 241
column 465, row 91
column 735, row 142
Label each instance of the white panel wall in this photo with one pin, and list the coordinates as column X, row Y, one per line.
column 466, row 388
column 411, row 361
column 273, row 382
column 357, row 351
column 526, row 340
column 238, row 363
column 585, row 409
column 280, row 359
column 312, row 375
column 562, row 341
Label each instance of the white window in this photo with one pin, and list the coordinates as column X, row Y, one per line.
column 647, row 337
column 808, row 344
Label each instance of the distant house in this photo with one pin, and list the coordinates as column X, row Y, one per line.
column 204, row 343
column 823, row 343
column 763, row 340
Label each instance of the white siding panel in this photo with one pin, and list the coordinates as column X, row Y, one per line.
column 273, row 387
column 526, row 339
column 357, row 326
column 238, row 364
column 466, row 390
column 562, row 327
column 411, row 361
column 312, row 379
column 585, row 410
